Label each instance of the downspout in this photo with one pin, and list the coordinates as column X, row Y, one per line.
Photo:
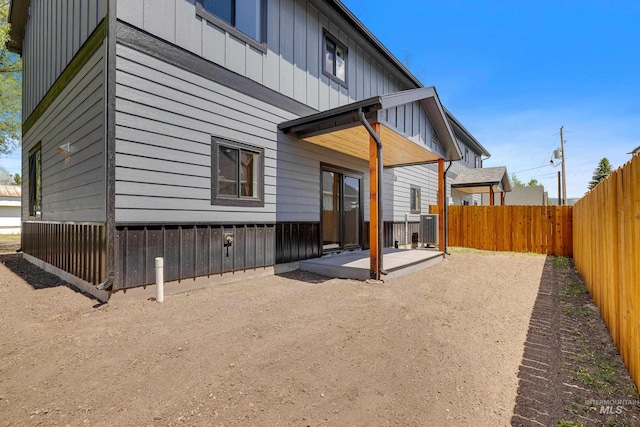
column 378, row 141
column 446, row 223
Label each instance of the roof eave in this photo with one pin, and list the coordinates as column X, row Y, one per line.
column 339, row 7
column 18, row 14
column 469, row 138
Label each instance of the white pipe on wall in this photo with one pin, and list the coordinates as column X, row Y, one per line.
column 159, row 279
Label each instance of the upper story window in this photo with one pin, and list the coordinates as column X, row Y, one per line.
column 237, row 177
column 478, row 162
column 244, row 19
column 334, row 59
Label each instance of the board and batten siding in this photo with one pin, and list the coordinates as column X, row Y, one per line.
column 55, row 31
column 165, row 117
column 73, row 187
column 292, row 64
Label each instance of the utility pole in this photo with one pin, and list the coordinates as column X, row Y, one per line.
column 559, row 191
column 564, row 172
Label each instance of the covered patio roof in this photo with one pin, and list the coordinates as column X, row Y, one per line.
column 482, row 180
column 340, row 128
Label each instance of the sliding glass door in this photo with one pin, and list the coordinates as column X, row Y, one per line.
column 341, row 210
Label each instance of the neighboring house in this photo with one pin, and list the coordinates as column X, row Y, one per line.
column 220, row 138
column 521, row 196
column 10, row 211
column 635, row 151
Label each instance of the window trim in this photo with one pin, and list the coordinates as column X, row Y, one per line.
column 418, row 208
column 214, row 20
column 326, row 35
column 33, row 189
column 225, row 200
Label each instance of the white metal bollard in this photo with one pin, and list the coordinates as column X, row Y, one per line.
column 159, row 279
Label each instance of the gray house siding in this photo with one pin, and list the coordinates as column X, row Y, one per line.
column 165, row 117
column 55, row 31
column 73, row 187
column 292, row 64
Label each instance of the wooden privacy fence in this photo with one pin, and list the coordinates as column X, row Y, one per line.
column 607, row 255
column 539, row 229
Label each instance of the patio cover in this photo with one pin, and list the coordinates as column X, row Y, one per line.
column 342, row 129
column 482, row 180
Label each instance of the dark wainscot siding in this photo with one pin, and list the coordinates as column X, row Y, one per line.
column 189, row 251
column 297, row 241
column 79, row 249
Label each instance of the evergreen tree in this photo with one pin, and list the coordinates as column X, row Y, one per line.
column 602, row 171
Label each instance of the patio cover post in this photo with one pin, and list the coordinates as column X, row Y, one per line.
column 441, row 201
column 374, row 200
column 491, row 196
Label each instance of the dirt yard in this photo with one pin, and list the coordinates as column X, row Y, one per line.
column 441, row 347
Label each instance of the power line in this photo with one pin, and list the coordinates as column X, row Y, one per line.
column 539, row 167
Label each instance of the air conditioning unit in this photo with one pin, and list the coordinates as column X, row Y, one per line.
column 429, row 230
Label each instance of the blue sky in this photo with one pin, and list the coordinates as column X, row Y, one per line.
column 513, row 72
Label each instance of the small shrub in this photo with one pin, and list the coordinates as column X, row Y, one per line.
column 561, row 261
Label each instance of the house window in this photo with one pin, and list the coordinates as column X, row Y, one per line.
column 35, row 181
column 415, row 199
column 466, row 155
column 240, row 18
column 239, row 180
column 334, row 60
column 478, row 162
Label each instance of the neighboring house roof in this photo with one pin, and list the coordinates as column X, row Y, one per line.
column 10, row 195
column 635, row 151
column 478, row 180
column 466, row 136
column 345, row 118
column 10, row 190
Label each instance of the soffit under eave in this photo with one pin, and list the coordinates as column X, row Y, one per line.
column 397, row 150
column 18, row 12
column 480, row 189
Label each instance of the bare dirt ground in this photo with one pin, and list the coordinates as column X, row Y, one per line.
column 440, row 347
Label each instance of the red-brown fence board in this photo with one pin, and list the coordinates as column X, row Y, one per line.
column 539, row 229
column 606, row 235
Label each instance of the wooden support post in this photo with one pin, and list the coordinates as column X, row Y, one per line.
column 374, row 199
column 491, row 196
column 502, row 199
column 442, row 195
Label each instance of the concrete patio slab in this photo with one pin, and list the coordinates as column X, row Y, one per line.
column 355, row 265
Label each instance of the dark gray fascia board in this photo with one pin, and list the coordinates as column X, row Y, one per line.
column 468, row 138
column 18, row 12
column 436, row 114
column 360, row 28
column 144, row 42
column 477, row 184
column 302, row 124
column 403, row 97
